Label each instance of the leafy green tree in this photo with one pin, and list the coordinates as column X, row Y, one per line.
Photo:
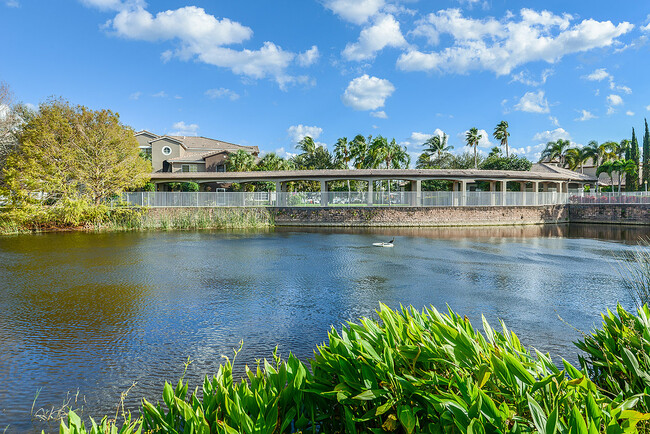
column 273, row 162
column 646, row 154
column 437, row 145
column 74, row 153
column 513, row 162
column 501, row 133
column 556, row 151
column 342, row 155
column 9, row 123
column 240, row 161
column 472, row 137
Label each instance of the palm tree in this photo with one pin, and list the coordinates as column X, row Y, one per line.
column 576, row 157
column 472, row 138
column 307, row 145
column 240, row 161
column 359, row 151
column 556, row 150
column 610, row 151
column 437, row 145
column 501, row 133
column 592, row 150
column 607, row 167
column 342, row 154
column 623, row 166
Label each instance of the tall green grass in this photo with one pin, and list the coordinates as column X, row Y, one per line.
column 409, row 372
column 636, row 272
column 102, row 218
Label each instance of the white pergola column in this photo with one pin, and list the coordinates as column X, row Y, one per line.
column 463, row 192
column 493, row 195
column 522, row 189
column 504, row 187
column 454, row 196
column 416, row 193
column 370, row 193
column 536, row 191
column 278, row 193
column 323, row 193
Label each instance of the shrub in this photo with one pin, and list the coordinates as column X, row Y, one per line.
column 409, row 372
column 618, row 354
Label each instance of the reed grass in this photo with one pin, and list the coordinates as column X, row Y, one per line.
column 635, row 271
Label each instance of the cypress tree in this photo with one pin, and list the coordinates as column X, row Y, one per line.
column 646, row 154
column 628, row 156
column 634, row 156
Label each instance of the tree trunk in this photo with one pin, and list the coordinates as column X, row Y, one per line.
column 475, row 160
column 507, row 154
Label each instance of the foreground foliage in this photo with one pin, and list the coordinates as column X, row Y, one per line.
column 408, row 372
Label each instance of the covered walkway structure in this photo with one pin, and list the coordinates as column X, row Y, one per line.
column 543, row 178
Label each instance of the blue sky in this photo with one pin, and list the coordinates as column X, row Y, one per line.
column 265, row 73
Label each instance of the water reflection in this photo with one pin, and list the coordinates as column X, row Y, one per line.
column 95, row 312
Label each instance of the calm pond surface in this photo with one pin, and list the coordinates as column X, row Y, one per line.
column 87, row 315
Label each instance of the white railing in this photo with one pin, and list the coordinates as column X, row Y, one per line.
column 376, row 199
column 635, row 197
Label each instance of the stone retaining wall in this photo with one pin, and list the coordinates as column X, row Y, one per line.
column 414, row 216
column 630, row 214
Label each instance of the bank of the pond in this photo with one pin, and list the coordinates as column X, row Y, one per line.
column 192, row 218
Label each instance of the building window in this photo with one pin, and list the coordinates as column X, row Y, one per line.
column 221, row 168
column 166, row 150
column 188, row 168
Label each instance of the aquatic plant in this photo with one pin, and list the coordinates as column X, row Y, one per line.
column 618, row 354
column 409, row 372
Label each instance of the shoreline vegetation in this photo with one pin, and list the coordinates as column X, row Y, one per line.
column 104, row 219
column 416, row 371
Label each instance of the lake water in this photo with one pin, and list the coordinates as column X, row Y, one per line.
column 87, row 315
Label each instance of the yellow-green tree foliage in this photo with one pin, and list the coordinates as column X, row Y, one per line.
column 74, row 153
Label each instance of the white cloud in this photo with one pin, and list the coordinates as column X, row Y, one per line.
column 367, row 93
column 614, row 100
column 355, row 11
column 135, row 95
column 624, row 89
column 599, row 75
column 184, row 129
column 12, row 3
column 586, row 115
column 380, row 114
column 418, row 139
column 161, row 94
column 551, row 136
column 203, row 37
column 533, row 102
column 646, row 28
column 384, row 32
column 502, row 45
column 299, row 132
column 647, row 107
column 629, row 113
column 554, row 121
column 309, row 57
column 281, row 152
column 222, row 92
column 525, row 78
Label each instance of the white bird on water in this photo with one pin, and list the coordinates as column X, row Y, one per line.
column 388, row 244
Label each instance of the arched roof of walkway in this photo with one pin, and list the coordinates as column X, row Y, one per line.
column 540, row 173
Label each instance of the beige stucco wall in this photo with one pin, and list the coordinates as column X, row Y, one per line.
column 178, row 167
column 157, row 156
